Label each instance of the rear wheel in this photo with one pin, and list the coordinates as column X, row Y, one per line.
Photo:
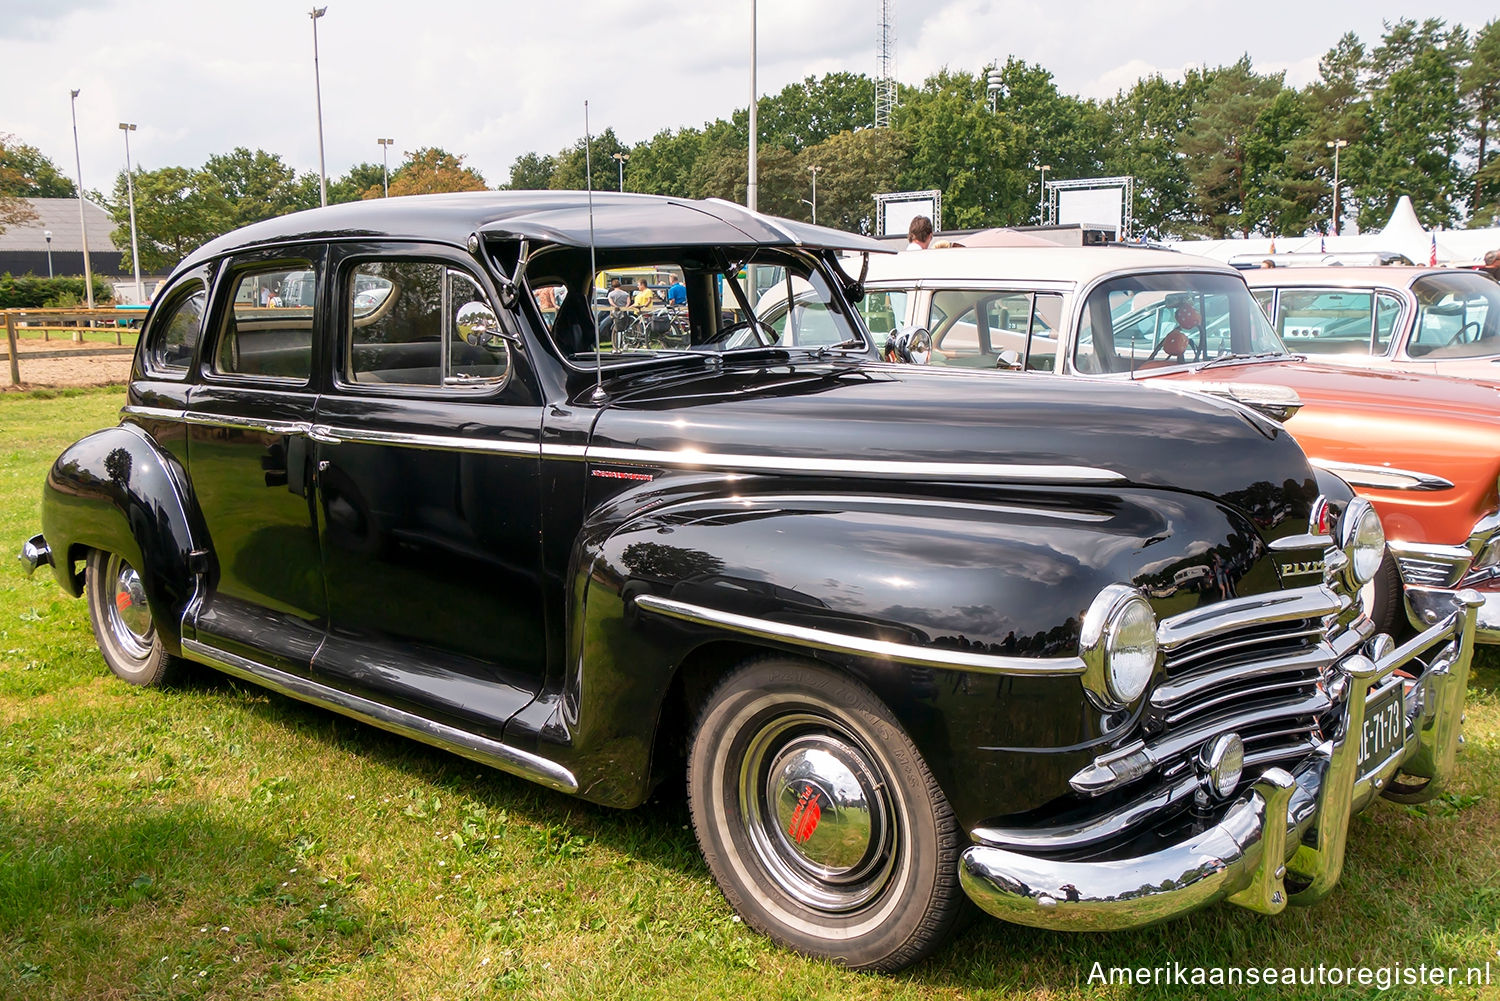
column 819, row 819
column 122, row 621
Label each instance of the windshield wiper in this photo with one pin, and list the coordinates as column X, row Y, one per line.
column 1231, row 359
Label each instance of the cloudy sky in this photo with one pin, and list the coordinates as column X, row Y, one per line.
column 496, row 79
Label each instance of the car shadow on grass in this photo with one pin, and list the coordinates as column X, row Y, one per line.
column 1416, row 887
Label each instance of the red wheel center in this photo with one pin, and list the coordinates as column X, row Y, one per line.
column 806, row 816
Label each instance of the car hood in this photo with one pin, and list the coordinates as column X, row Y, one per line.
column 838, row 418
column 1361, row 389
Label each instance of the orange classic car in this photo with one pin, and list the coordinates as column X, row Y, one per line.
column 1424, row 449
column 1444, row 321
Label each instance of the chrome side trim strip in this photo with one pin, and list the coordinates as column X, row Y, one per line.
column 1276, row 606
column 694, row 459
column 1307, row 540
column 404, row 439
column 687, row 458
column 153, row 413
column 449, row 738
column 822, row 639
column 1383, row 477
column 245, row 423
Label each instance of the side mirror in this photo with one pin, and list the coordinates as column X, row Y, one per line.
column 908, row 345
column 478, row 324
column 1009, row 359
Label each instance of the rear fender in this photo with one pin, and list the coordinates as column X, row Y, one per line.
column 118, row 491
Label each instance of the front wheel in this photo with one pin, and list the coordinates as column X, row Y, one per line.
column 1382, row 600
column 819, row 819
column 122, row 621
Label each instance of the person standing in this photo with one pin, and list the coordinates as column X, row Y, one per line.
column 677, row 293
column 644, row 297
column 919, row 233
column 1491, row 265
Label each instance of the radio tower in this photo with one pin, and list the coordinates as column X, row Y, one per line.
column 885, row 74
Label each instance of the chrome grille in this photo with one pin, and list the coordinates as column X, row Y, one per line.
column 1253, row 666
column 1427, row 573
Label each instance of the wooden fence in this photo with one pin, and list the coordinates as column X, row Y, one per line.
column 63, row 321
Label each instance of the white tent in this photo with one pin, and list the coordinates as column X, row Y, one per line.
column 1403, row 233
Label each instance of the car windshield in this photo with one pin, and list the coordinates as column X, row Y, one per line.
column 1334, row 321
column 1150, row 321
column 1458, row 316
column 646, row 304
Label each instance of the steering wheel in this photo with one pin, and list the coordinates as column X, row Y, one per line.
column 745, row 333
column 1459, row 337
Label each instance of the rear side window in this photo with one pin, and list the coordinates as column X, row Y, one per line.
column 174, row 336
column 268, row 330
column 421, row 323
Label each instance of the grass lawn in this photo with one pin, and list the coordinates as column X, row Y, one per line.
column 218, row 841
column 92, row 335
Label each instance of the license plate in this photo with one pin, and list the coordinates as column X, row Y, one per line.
column 1385, row 728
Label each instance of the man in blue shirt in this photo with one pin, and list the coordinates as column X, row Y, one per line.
column 677, row 293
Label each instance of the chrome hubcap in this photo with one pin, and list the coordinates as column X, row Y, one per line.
column 819, row 813
column 129, row 617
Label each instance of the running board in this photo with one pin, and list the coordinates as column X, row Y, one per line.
column 441, row 735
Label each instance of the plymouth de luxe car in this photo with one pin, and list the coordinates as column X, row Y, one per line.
column 1087, row 653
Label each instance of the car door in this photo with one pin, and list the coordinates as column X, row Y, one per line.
column 428, row 454
column 247, row 449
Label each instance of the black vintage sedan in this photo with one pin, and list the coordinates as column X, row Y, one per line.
column 1086, row 652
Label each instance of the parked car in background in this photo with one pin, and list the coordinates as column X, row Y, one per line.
column 1442, row 321
column 1425, row 450
column 1085, row 651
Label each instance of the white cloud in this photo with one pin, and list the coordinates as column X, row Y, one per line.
column 497, row 79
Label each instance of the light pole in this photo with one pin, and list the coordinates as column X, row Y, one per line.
column 48, row 235
column 620, row 159
column 752, row 183
column 135, row 249
column 813, row 170
column 385, row 174
column 1041, row 207
column 83, row 229
column 1336, row 145
column 316, row 13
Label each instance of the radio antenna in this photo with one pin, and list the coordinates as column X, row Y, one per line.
column 588, row 183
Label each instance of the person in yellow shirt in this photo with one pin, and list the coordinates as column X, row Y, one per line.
column 644, row 297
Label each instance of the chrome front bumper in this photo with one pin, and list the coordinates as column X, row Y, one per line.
column 1287, row 825
column 1426, row 605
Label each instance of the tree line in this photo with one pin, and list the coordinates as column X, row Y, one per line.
column 1223, row 151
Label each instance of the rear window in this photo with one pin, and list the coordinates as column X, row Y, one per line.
column 173, row 337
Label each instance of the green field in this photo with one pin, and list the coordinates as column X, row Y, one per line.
column 217, row 841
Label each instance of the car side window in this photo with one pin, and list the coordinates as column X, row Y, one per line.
column 173, row 337
column 1326, row 321
column 268, row 328
column 421, row 323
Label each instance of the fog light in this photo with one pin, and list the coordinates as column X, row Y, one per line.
column 1223, row 761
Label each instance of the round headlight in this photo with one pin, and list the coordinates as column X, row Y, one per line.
column 1118, row 645
column 1363, row 540
column 1130, row 650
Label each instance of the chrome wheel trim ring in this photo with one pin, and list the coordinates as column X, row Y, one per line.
column 853, row 862
column 127, row 616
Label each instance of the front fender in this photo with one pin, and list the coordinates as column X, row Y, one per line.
column 1007, row 573
column 118, row 491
